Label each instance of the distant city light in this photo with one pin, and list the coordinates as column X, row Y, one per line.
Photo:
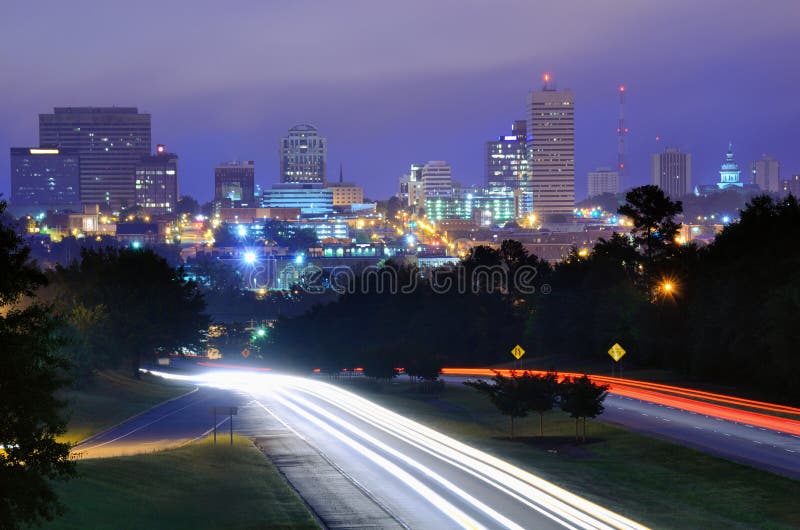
column 249, row 257
column 726, row 219
column 299, row 259
column 136, row 245
column 241, row 230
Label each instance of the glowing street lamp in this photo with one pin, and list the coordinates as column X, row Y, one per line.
column 250, row 257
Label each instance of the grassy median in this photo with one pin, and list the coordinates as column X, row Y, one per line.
column 112, row 397
column 196, row 486
column 658, row 483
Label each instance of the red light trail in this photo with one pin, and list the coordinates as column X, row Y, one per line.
column 676, row 397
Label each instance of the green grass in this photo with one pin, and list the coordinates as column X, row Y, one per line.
column 112, row 397
column 658, row 483
column 196, row 486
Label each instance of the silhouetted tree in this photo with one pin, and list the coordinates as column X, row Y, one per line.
column 30, row 373
column 506, row 394
column 539, row 393
column 582, row 398
column 149, row 305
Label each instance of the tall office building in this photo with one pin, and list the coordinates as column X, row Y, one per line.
column 507, row 165
column 234, row 184
column 410, row 192
column 791, row 185
column 551, row 149
column 672, row 172
column 303, row 156
column 110, row 142
column 603, row 180
column 44, row 179
column 437, row 179
column 766, row 173
column 157, row 182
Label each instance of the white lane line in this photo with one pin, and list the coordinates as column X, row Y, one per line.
column 139, row 428
column 472, row 461
column 438, row 501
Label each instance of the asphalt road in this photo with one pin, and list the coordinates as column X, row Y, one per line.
column 756, row 446
column 397, row 471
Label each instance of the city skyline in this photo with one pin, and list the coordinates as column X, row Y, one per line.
column 375, row 133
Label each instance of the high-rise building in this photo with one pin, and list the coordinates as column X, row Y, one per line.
column 437, row 180
column 551, row 149
column 411, row 192
column 791, row 186
column 507, row 165
column 110, row 142
column 234, row 184
column 766, row 173
column 157, row 182
column 303, row 156
column 672, row 172
column 44, row 179
column 603, row 180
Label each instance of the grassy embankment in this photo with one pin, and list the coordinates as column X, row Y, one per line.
column 658, row 483
column 196, row 486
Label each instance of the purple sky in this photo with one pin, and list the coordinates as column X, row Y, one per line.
column 390, row 83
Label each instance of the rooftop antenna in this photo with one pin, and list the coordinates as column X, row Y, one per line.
column 546, row 77
column 341, row 175
column 621, row 132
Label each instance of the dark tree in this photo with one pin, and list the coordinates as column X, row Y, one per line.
column 539, row 393
column 582, row 398
column 188, row 205
column 149, row 305
column 506, row 394
column 653, row 215
column 30, row 374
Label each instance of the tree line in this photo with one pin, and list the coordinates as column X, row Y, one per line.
column 725, row 312
column 525, row 392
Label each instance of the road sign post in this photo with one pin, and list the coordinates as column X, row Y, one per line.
column 616, row 352
column 517, row 352
column 230, row 412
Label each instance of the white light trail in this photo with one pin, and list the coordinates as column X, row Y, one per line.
column 561, row 506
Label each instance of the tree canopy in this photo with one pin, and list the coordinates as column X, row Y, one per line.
column 31, row 372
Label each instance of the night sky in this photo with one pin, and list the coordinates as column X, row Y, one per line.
column 390, row 83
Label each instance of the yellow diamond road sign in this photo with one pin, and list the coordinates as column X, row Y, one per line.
column 616, row 352
column 517, row 352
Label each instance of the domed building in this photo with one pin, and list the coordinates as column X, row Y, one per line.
column 729, row 178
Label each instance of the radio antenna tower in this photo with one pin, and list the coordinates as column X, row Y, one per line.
column 621, row 132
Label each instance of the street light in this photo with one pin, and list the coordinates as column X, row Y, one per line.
column 250, row 257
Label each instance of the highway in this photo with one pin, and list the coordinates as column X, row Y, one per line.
column 406, row 475
column 676, row 414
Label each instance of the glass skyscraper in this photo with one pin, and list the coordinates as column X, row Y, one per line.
column 507, row 165
column 110, row 142
column 157, row 182
column 44, row 179
column 304, row 156
column 234, row 184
